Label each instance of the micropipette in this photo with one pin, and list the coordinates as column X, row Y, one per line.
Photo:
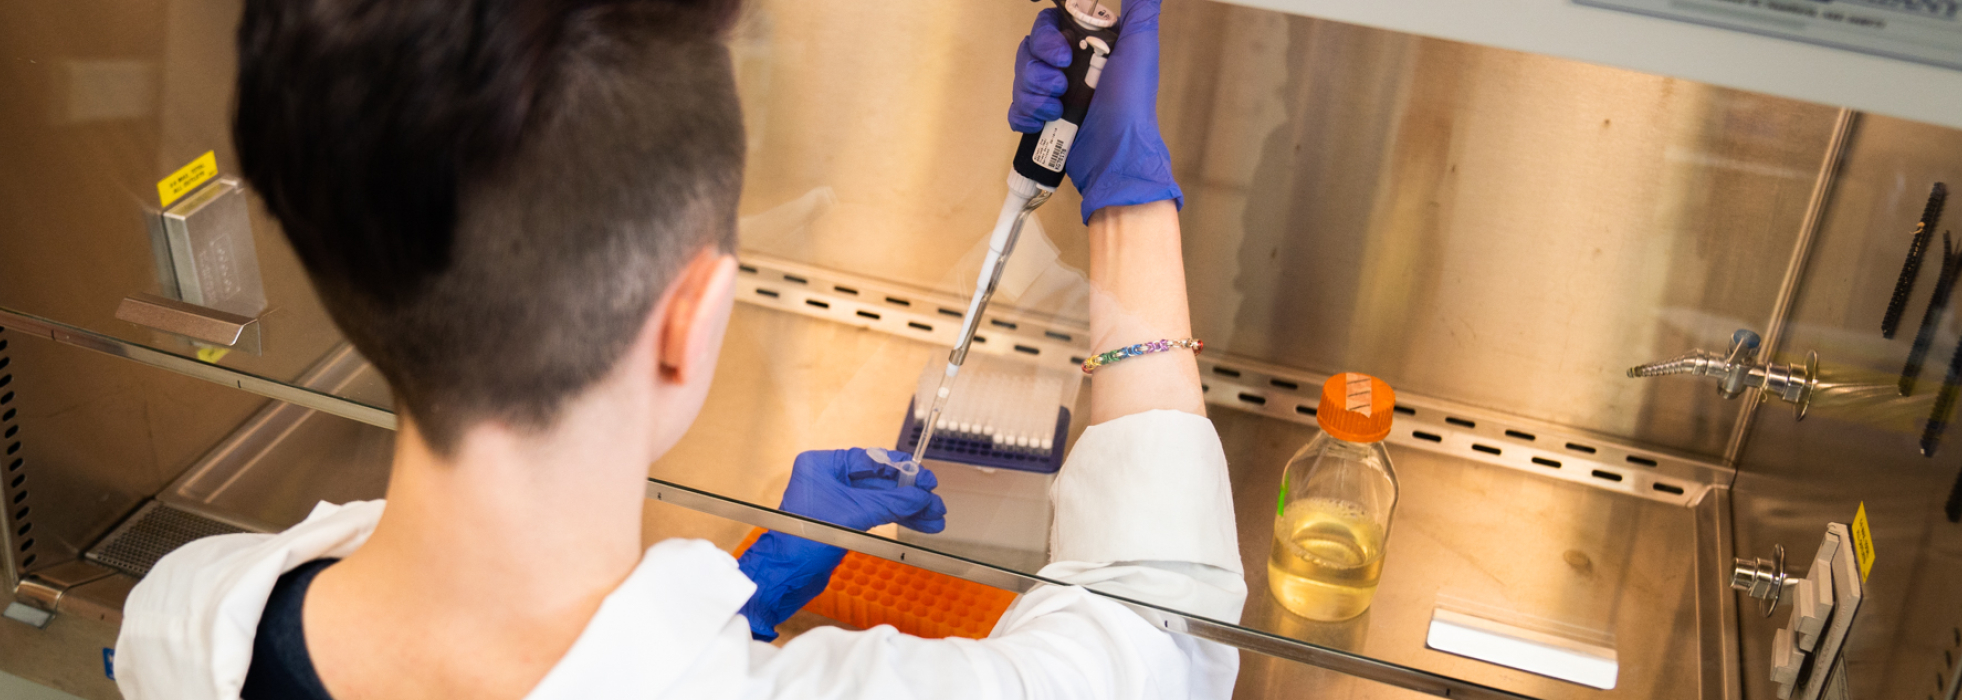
column 1092, row 33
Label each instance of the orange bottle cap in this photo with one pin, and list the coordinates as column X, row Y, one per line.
column 1356, row 407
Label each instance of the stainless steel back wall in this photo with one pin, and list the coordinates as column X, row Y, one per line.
column 1502, row 229
column 1506, row 230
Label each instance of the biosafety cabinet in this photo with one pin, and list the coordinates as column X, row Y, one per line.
column 1626, row 263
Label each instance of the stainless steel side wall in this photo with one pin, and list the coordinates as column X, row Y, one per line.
column 102, row 100
column 1859, row 445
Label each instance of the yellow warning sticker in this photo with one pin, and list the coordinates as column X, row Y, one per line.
column 187, row 178
column 1863, row 541
column 211, row 355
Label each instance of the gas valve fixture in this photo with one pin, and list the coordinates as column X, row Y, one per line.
column 1808, row 652
column 1739, row 369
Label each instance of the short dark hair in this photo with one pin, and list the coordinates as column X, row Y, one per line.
column 490, row 195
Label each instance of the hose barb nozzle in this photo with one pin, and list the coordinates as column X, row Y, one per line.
column 1695, row 362
column 1739, row 369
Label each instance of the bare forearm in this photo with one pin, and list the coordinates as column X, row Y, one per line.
column 1137, row 274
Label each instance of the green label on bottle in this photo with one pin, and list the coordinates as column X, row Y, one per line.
column 1281, row 504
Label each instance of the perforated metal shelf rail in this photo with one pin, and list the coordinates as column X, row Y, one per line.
column 1434, row 425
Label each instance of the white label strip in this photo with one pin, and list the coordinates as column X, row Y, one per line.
column 1527, row 650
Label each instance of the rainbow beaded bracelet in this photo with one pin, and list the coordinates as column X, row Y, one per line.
column 1194, row 344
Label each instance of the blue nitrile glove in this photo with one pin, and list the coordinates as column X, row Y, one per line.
column 843, row 487
column 1119, row 157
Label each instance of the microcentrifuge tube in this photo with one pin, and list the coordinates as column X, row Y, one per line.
column 909, row 470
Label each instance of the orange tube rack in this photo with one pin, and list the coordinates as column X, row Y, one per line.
column 866, row 591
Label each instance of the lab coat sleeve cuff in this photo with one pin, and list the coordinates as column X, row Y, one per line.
column 1150, row 486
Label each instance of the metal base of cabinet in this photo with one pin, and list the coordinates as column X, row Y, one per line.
column 1581, row 554
column 1602, row 564
column 66, row 656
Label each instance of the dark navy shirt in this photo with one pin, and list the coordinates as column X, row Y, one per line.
column 281, row 668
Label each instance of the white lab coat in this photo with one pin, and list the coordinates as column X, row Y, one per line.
column 1143, row 510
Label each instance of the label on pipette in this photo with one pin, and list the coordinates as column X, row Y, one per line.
column 1054, row 148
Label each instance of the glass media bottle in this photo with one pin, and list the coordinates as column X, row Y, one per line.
column 1337, row 495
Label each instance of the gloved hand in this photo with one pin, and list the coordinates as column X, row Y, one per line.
column 843, row 487
column 1119, row 157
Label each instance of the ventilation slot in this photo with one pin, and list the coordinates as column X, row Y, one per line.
column 1226, row 372
column 155, row 530
column 1644, row 461
column 1406, row 411
column 950, row 312
column 868, row 314
column 1668, row 488
column 1487, row 449
column 916, row 325
column 845, row 290
column 1544, row 462
column 794, row 278
column 771, row 293
column 1421, row 435
column 1305, row 410
column 1460, row 422
column 895, row 301
column 819, row 304
column 1529, row 437
column 1284, row 384
column 1065, row 337
column 1003, row 324
column 16, row 474
column 1254, row 399
column 1605, row 474
column 746, row 269
column 1577, row 447
column 1026, row 350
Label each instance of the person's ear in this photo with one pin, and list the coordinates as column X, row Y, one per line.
column 693, row 323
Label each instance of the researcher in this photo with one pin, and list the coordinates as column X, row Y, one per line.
column 523, row 212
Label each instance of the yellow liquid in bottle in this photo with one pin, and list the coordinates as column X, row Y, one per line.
column 1326, row 560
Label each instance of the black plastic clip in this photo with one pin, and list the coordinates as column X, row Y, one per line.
column 1937, row 307
column 1930, row 215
